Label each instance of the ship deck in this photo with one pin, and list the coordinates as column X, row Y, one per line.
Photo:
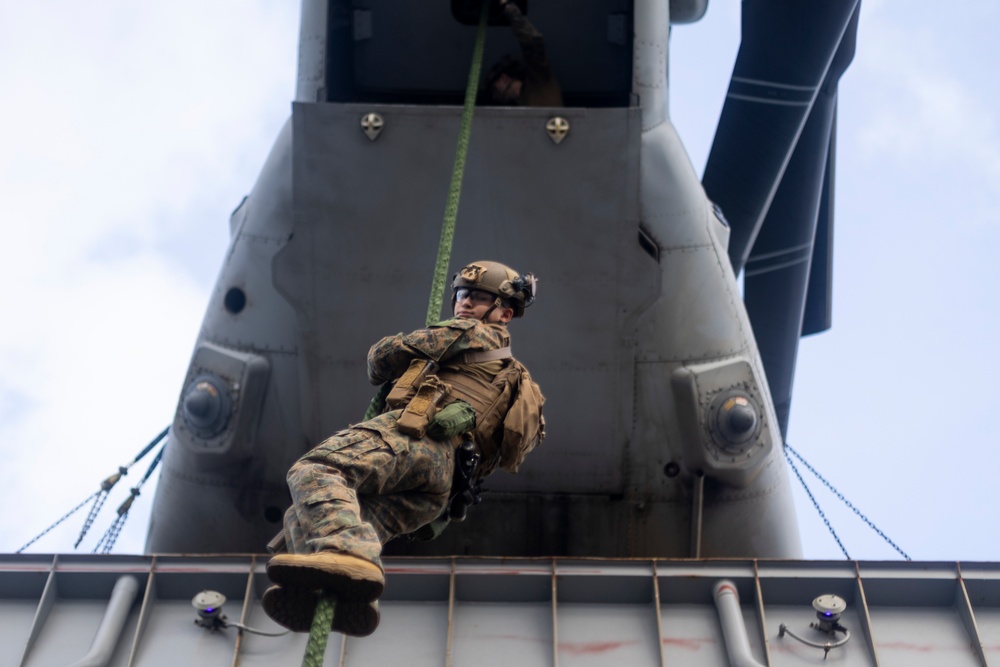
column 484, row 612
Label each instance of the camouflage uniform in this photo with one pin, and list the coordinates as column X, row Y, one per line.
column 370, row 483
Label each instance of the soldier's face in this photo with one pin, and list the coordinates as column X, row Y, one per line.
column 474, row 304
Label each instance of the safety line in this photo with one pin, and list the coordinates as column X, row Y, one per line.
column 323, row 616
column 451, row 209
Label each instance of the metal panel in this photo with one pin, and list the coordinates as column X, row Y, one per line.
column 690, row 635
column 785, row 651
column 602, row 634
column 917, row 623
column 789, row 590
column 988, row 621
column 489, row 633
column 419, row 633
column 606, row 614
column 913, row 637
column 982, row 583
column 484, row 611
column 500, row 612
column 22, row 585
column 80, row 598
column 517, row 182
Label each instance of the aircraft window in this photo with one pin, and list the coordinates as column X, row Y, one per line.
column 385, row 51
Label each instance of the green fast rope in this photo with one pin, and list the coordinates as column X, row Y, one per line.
column 451, row 209
column 323, row 616
column 319, row 633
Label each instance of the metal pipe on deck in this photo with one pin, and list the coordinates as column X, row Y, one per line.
column 110, row 630
column 734, row 631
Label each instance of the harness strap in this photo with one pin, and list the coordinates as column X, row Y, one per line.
column 480, row 356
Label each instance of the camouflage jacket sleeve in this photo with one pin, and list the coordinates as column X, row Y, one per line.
column 531, row 41
column 390, row 357
column 540, row 86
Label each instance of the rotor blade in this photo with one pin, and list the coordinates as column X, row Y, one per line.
column 779, row 273
column 785, row 54
column 819, row 297
column 818, row 315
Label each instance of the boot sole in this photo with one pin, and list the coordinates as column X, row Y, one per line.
column 294, row 609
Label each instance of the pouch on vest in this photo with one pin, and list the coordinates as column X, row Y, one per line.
column 453, row 419
column 421, row 409
column 523, row 425
column 408, row 383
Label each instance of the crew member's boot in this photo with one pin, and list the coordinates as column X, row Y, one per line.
column 348, row 578
column 294, row 608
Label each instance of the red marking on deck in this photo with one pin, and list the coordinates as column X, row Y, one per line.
column 781, row 647
column 593, row 648
column 919, row 648
column 688, row 644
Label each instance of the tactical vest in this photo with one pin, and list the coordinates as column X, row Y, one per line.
column 490, row 400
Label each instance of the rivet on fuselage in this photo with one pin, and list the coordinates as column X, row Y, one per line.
column 558, row 128
column 372, row 124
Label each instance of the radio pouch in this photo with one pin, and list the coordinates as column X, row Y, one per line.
column 422, row 407
column 408, row 383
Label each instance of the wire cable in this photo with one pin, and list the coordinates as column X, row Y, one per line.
column 816, row 504
column 64, row 517
column 109, row 484
column 843, row 499
column 247, row 628
column 107, row 541
column 98, row 497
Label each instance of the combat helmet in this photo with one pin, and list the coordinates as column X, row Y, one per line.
column 517, row 290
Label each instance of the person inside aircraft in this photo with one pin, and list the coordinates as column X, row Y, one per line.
column 460, row 407
column 528, row 82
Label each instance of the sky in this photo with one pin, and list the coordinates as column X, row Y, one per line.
column 129, row 132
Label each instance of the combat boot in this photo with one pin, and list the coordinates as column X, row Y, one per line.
column 293, row 608
column 348, row 578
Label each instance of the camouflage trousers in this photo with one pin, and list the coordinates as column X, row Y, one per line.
column 354, row 492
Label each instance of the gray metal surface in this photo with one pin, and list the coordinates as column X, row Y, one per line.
column 374, row 228
column 486, row 612
column 639, row 336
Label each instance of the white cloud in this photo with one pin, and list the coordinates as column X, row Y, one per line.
column 922, row 103
column 129, row 129
column 91, row 377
